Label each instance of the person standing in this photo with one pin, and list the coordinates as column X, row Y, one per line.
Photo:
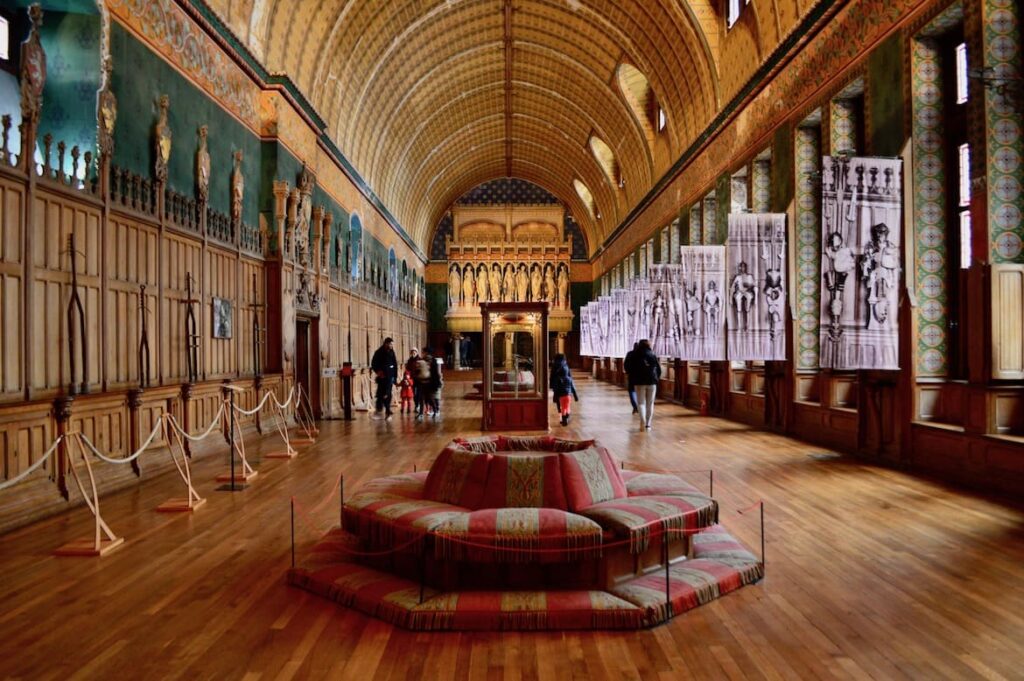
column 562, row 386
column 627, row 367
column 410, row 368
column 645, row 373
column 421, row 378
column 385, row 367
column 434, row 383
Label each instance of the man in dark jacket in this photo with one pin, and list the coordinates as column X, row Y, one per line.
column 645, row 371
column 627, row 364
column 385, row 367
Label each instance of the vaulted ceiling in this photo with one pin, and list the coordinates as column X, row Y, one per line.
column 429, row 98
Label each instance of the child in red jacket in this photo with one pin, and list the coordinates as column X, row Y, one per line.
column 406, row 394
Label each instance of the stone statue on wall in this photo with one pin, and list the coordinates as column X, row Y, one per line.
column 162, row 141
column 536, row 281
column 482, row 284
column 106, row 111
column 495, row 282
column 549, row 283
column 454, row 286
column 522, row 284
column 468, row 286
column 237, row 189
column 33, row 71
column 508, row 284
column 202, row 167
column 563, row 286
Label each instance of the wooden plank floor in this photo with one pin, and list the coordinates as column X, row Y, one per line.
column 871, row 573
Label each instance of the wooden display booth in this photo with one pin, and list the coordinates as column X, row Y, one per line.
column 515, row 366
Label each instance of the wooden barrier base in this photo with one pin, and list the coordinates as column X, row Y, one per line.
column 303, row 440
column 240, row 476
column 87, row 547
column 281, row 455
column 179, row 506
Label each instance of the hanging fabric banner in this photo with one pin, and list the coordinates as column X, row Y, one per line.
column 586, row 347
column 757, row 286
column 666, row 282
column 861, row 203
column 601, row 326
column 703, row 280
column 622, row 302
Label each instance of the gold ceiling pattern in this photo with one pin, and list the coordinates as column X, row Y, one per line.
column 429, row 98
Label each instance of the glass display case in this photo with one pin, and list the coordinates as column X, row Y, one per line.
column 515, row 365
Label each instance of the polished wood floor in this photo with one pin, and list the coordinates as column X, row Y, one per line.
column 871, row 573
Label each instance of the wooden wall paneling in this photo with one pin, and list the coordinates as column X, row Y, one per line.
column 206, row 400
column 105, row 421
column 179, row 256
column 12, row 318
column 220, row 280
column 131, row 256
column 244, row 312
column 26, row 432
column 1007, row 321
column 55, row 218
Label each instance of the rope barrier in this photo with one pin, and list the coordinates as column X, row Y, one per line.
column 196, row 438
column 258, row 407
column 128, row 459
column 284, row 405
column 33, row 468
column 759, row 502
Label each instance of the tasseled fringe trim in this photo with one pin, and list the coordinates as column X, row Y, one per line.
column 563, row 548
column 380, row 535
column 706, row 516
column 532, row 620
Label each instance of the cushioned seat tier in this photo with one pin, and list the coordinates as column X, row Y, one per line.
column 534, row 535
column 384, row 520
column 635, row 518
column 655, row 484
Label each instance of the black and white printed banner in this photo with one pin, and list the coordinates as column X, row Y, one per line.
column 757, row 286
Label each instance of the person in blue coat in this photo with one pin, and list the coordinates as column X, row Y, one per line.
column 562, row 386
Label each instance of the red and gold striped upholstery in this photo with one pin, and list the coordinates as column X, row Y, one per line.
column 518, row 535
column 528, row 480
column 655, row 484
column 636, row 518
column 590, row 477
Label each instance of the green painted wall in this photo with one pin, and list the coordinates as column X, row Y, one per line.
column 190, row 108
column 885, row 87
column 437, row 306
column 580, row 293
column 781, row 193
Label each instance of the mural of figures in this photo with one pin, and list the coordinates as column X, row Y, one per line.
column 522, row 284
column 703, row 276
column 536, row 280
column 454, row 286
column 508, row 284
column 563, row 286
column 860, row 264
column 757, row 296
column 468, row 286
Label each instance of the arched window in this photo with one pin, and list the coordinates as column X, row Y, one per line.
column 586, row 197
column 642, row 101
column 606, row 159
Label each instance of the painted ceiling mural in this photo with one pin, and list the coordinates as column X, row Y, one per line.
column 428, row 100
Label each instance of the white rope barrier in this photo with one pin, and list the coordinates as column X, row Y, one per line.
column 291, row 394
column 128, row 459
column 33, row 468
column 258, row 407
column 206, row 433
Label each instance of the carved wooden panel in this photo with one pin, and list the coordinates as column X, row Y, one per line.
column 12, row 199
column 132, row 253
column 1008, row 322
column 179, row 256
column 25, row 435
column 55, row 219
column 106, row 424
column 221, row 281
column 244, row 313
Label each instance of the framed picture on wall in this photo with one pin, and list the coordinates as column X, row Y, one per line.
column 222, row 318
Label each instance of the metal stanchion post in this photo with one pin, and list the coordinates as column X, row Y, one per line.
column 293, row 531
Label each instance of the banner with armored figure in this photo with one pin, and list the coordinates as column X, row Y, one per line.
column 586, row 346
column 622, row 330
column 757, row 286
column 665, row 318
column 860, row 264
column 703, row 303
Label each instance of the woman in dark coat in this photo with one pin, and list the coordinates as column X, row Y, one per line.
column 562, row 386
column 644, row 373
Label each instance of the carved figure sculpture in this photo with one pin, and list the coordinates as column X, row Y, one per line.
column 468, row 287
column 202, row 167
column 536, row 282
column 495, row 282
column 33, row 71
column 563, row 286
column 237, row 189
column 162, row 141
column 508, row 284
column 106, row 111
column 743, row 291
column 522, row 284
column 454, row 286
column 549, row 283
column 483, row 288
column 879, row 265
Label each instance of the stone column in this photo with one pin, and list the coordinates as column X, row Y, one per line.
column 560, row 342
column 456, row 351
